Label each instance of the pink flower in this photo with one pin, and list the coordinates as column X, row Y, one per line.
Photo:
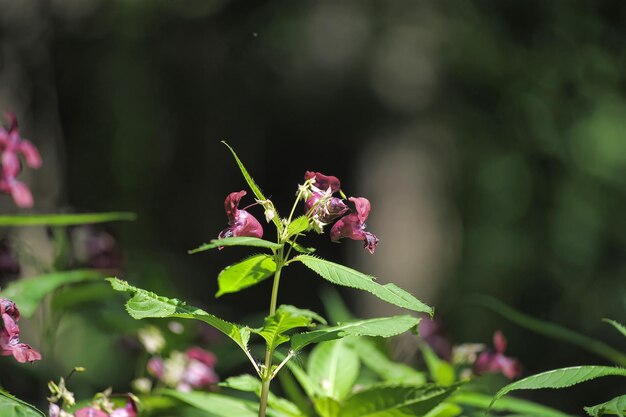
column 90, row 412
column 321, row 203
column 352, row 226
column 156, row 367
column 430, row 331
column 11, row 144
column 241, row 223
column 199, row 372
column 495, row 361
column 129, row 410
column 10, row 335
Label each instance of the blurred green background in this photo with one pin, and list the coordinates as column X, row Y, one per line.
column 490, row 137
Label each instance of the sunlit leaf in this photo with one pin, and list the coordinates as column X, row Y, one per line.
column 236, row 241
column 297, row 226
column 334, row 367
column 253, row 186
column 11, row 406
column 27, row 293
column 145, row 304
column 64, row 219
column 382, row 326
column 348, row 277
column 561, row 378
column 440, row 371
column 216, row 405
column 615, row 406
column 326, row 406
column 445, row 409
column 285, row 319
column 245, row 274
column 394, row 401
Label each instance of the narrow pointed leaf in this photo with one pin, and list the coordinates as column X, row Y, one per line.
column 618, row 326
column 616, row 406
column 301, row 249
column 395, row 401
column 245, row 274
column 236, row 241
column 552, row 330
column 11, row 406
column 275, row 326
column 28, row 293
column 382, row 326
column 308, row 385
column 561, row 378
column 348, row 277
column 253, row 186
column 334, row 367
column 297, row 226
column 64, row 219
column 145, row 304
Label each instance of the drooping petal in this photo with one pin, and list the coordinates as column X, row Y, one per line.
column 10, row 165
column 31, row 154
column 499, row 341
column 241, row 223
column 231, row 205
column 201, row 355
column 352, row 226
column 21, row 194
column 24, row 353
column 324, row 182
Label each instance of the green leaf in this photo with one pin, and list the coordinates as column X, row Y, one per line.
column 620, row 327
column 395, row 401
column 64, row 219
column 513, row 405
column 445, row 410
column 297, row 226
column 326, row 406
column 348, row 277
column 145, row 304
column 382, row 326
column 255, row 188
column 245, row 274
column 11, row 406
column 249, row 383
column 615, row 406
column 308, row 385
column 440, row 371
column 560, row 378
column 285, row 319
column 236, row 241
column 28, row 293
column 216, row 405
column 301, row 249
column 295, row 311
column 334, row 367
column 552, row 330
column 390, row 371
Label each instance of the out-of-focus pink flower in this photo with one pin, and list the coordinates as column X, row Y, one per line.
column 10, row 335
column 129, row 410
column 241, row 223
column 90, row 412
column 54, row 410
column 430, row 331
column 11, row 144
column 321, row 204
column 496, row 361
column 187, row 371
column 352, row 226
column 155, row 367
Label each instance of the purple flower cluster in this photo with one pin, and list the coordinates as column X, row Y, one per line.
column 321, row 207
column 10, row 334
column 11, row 145
column 102, row 409
column 192, row 370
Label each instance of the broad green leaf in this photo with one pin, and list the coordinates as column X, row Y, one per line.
column 379, row 363
column 348, row 277
column 11, row 406
column 255, row 188
column 512, row 405
column 276, row 325
column 297, row 226
column 236, row 241
column 295, row 311
column 326, row 406
column 382, row 326
column 561, row 378
column 395, row 401
column 145, row 304
column 445, row 410
column 552, row 330
column 334, row 367
column 64, row 219
column 440, row 371
column 615, row 406
column 249, row 383
column 308, row 385
column 245, row 274
column 619, row 326
column 216, row 405
column 28, row 293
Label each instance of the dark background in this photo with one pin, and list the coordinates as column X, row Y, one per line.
column 489, row 135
